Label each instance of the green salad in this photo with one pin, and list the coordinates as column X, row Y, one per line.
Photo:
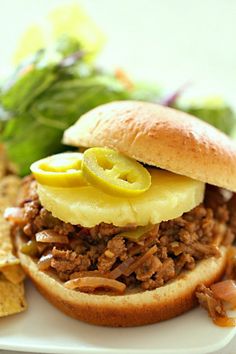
column 47, row 93
column 57, row 80
column 213, row 109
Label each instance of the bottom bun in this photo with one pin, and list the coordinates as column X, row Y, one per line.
column 134, row 309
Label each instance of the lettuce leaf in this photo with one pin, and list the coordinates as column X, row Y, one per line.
column 47, row 94
column 213, row 110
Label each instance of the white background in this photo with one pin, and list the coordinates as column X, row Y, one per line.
column 167, row 41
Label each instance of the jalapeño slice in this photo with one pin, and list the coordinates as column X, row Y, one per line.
column 115, row 173
column 61, row 170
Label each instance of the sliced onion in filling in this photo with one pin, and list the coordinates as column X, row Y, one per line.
column 225, row 290
column 121, row 268
column 14, row 215
column 45, row 261
column 87, row 273
column 140, row 261
column 91, row 284
column 50, row 236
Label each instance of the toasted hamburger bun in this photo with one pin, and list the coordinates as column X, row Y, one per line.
column 134, row 309
column 161, row 137
column 168, row 139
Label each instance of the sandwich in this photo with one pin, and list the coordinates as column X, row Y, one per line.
column 124, row 233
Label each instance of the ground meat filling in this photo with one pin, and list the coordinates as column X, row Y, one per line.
column 159, row 256
column 210, row 302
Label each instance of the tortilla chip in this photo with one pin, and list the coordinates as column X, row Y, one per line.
column 7, row 259
column 13, row 273
column 9, row 186
column 12, row 299
column 3, row 161
column 6, row 248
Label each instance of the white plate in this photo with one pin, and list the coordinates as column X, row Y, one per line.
column 44, row 329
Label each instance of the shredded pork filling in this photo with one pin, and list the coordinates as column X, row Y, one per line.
column 74, row 252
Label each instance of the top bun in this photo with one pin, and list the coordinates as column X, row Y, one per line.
column 159, row 136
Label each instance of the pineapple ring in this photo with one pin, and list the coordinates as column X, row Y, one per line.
column 169, row 196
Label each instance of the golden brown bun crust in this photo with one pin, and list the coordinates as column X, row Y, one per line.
column 162, row 137
column 136, row 309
